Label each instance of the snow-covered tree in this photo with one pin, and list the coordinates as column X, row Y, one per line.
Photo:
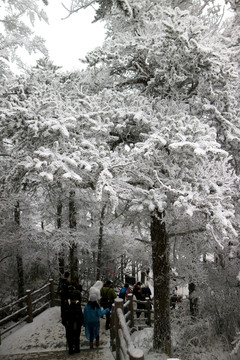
column 17, row 21
column 173, row 160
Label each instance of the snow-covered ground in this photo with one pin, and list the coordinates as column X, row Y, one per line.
column 46, row 333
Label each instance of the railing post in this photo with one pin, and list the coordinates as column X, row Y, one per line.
column 148, row 311
column 112, row 329
column 130, row 298
column 118, row 304
column 52, row 296
column 29, row 306
column 138, row 355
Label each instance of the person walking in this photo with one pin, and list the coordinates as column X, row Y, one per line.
column 137, row 291
column 92, row 314
column 124, row 291
column 63, row 291
column 107, row 298
column 73, row 323
column 96, row 289
column 75, row 286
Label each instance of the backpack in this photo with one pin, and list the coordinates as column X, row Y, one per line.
column 122, row 293
column 104, row 301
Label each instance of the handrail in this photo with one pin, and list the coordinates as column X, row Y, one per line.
column 27, row 310
column 125, row 348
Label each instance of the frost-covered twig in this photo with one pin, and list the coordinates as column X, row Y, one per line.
column 168, row 188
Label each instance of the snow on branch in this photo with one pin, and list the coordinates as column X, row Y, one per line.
column 209, row 227
column 168, row 188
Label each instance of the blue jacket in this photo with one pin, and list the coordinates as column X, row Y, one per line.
column 93, row 315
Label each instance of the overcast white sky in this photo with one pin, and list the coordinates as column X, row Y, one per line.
column 70, row 39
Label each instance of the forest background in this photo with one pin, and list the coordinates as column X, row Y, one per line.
column 129, row 164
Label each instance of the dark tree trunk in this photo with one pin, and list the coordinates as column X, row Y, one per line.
column 122, row 268
column 143, row 277
column 133, row 269
column 19, row 258
column 73, row 246
column 61, row 261
column 100, row 243
column 161, row 280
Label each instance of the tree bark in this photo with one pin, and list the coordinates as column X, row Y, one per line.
column 19, row 258
column 73, row 246
column 161, row 280
column 61, row 261
column 100, row 243
column 122, row 268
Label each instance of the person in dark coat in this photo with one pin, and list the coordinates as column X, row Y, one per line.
column 63, row 291
column 74, row 322
column 146, row 291
column 75, row 286
column 137, row 291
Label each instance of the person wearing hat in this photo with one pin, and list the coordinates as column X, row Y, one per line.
column 74, row 322
column 96, row 289
column 92, row 314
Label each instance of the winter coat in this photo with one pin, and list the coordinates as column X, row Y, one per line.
column 74, row 316
column 95, row 289
column 108, row 293
column 92, row 319
column 63, row 289
column 123, row 293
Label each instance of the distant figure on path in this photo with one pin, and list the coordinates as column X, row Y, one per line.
column 92, row 314
column 137, row 291
column 74, row 322
column 124, row 292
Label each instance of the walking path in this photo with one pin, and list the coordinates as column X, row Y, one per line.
column 85, row 354
column 45, row 338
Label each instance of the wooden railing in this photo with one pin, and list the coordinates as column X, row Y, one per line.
column 30, row 305
column 120, row 330
column 132, row 320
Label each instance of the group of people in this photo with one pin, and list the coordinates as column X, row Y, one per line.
column 100, row 300
column 101, row 297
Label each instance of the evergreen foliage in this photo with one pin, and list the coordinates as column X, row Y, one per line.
column 147, row 135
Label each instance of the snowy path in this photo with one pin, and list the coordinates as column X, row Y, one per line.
column 98, row 354
column 44, row 338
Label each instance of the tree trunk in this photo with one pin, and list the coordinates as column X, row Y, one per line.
column 73, row 246
column 161, row 280
column 143, row 277
column 193, row 300
column 133, row 269
column 19, row 258
column 122, row 268
column 100, row 243
column 61, row 262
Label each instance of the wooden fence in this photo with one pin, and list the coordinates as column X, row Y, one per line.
column 30, row 305
column 122, row 323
